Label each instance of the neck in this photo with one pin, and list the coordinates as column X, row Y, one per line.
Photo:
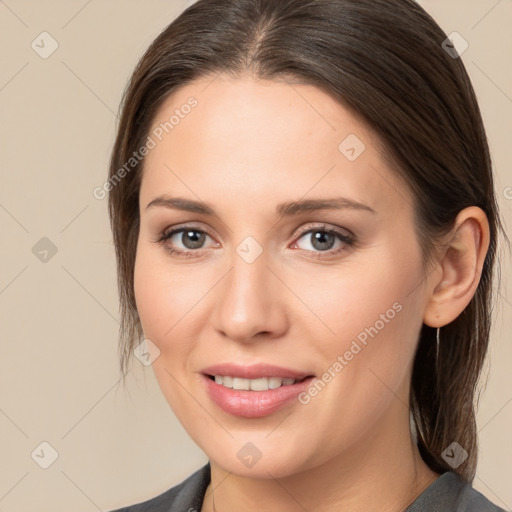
column 383, row 471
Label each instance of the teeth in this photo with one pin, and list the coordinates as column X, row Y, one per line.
column 274, row 382
column 262, row 384
column 239, row 383
column 258, row 384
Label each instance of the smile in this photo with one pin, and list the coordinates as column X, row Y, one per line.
column 260, row 384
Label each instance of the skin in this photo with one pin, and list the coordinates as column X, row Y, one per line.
column 248, row 146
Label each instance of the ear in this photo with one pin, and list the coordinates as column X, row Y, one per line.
column 458, row 271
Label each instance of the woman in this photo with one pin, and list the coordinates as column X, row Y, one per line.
column 302, row 204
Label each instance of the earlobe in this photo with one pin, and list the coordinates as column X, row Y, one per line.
column 460, row 266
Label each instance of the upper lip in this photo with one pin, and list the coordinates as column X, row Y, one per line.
column 255, row 371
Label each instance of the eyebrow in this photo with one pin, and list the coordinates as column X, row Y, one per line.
column 285, row 209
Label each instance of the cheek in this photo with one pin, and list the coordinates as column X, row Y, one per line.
column 350, row 300
column 367, row 361
column 160, row 296
column 371, row 310
column 150, row 296
column 163, row 300
column 169, row 301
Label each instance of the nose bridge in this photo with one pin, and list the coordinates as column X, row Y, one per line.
column 249, row 303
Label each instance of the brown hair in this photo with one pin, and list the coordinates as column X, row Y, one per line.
column 384, row 60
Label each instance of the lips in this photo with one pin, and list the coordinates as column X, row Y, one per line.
column 253, row 391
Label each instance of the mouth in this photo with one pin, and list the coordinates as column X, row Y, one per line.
column 254, row 391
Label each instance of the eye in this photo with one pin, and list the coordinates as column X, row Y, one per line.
column 324, row 240
column 189, row 238
column 184, row 241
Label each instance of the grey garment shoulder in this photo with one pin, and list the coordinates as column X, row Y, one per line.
column 450, row 493
column 187, row 496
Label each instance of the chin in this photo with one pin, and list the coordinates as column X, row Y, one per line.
column 253, row 456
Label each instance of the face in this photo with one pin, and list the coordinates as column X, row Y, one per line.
column 277, row 271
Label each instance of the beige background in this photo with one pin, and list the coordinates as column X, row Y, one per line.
column 59, row 378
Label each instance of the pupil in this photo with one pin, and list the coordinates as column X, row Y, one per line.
column 322, row 240
column 193, row 239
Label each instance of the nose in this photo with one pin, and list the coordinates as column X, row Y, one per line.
column 250, row 302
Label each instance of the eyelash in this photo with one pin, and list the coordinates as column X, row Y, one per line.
column 348, row 240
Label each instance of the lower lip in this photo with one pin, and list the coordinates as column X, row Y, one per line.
column 254, row 404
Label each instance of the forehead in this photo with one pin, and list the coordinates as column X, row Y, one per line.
column 263, row 140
